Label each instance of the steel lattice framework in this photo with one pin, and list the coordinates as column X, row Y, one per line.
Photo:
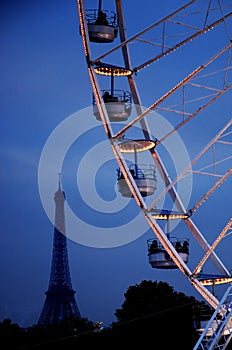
column 60, row 302
column 183, row 102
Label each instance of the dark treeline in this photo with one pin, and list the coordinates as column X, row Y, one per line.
column 152, row 312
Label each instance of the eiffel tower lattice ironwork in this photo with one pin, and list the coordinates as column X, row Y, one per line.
column 60, row 301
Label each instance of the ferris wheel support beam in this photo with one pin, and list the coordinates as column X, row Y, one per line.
column 127, row 62
column 83, row 30
column 211, row 191
column 193, row 115
column 210, row 298
column 213, row 247
column 171, row 91
column 194, row 161
column 121, row 26
column 205, row 246
column 177, row 46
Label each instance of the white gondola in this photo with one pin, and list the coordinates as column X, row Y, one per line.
column 157, row 255
column 160, row 259
column 144, row 176
column 117, row 102
column 102, row 25
column 118, row 105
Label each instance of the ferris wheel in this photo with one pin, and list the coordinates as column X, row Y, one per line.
column 114, row 71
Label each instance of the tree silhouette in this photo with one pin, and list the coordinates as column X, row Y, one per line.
column 152, row 314
column 155, row 311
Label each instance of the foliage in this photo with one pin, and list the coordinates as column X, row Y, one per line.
column 15, row 337
column 154, row 310
column 150, row 297
column 151, row 311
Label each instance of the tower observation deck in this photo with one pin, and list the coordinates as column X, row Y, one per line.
column 60, row 301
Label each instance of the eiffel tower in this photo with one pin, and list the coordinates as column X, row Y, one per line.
column 60, row 302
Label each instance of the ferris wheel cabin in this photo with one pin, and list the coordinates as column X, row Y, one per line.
column 159, row 257
column 144, row 176
column 117, row 102
column 102, row 25
column 118, row 105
